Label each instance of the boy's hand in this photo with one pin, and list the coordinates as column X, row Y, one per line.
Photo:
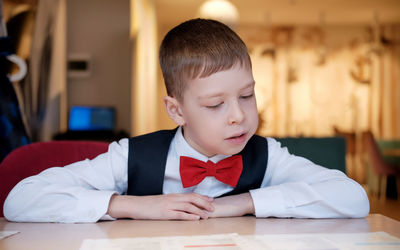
column 161, row 207
column 234, row 205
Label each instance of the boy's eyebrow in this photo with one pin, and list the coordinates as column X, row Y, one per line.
column 250, row 84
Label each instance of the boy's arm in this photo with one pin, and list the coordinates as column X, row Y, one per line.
column 232, row 206
column 295, row 187
column 85, row 191
column 79, row 192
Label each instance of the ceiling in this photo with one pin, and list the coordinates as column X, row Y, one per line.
column 287, row 12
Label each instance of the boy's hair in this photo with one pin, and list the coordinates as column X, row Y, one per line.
column 199, row 48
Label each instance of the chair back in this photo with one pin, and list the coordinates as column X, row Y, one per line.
column 329, row 152
column 379, row 166
column 33, row 158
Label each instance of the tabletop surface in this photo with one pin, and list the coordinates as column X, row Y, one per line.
column 70, row 236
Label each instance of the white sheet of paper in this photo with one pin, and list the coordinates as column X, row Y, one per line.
column 4, row 234
column 370, row 241
column 208, row 242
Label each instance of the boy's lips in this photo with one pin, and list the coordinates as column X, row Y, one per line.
column 237, row 138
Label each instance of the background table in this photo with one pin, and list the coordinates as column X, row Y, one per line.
column 70, row 236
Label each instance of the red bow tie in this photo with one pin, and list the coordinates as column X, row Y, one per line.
column 194, row 171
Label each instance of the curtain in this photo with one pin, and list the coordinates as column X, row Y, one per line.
column 144, row 83
column 43, row 90
column 385, row 87
column 314, row 81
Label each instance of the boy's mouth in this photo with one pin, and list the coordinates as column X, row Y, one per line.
column 237, row 139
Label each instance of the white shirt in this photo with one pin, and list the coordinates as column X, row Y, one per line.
column 80, row 192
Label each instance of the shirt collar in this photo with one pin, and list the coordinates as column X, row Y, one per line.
column 183, row 148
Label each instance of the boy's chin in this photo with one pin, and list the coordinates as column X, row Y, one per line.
column 234, row 151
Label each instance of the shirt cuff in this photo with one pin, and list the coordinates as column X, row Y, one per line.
column 275, row 202
column 282, row 200
column 95, row 206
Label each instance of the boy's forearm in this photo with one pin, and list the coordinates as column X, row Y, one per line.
column 119, row 206
column 188, row 206
column 247, row 203
column 126, row 206
column 234, row 205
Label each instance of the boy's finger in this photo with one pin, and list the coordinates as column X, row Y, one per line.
column 205, row 197
column 201, row 201
column 191, row 209
column 180, row 215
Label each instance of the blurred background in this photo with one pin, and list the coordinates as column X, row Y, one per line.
column 323, row 69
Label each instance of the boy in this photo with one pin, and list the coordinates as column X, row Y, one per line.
column 187, row 174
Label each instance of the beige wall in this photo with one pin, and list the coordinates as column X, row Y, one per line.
column 164, row 122
column 100, row 29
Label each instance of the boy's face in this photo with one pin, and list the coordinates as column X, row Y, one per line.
column 219, row 112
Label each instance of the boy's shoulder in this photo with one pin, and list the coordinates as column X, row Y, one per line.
column 167, row 133
column 259, row 137
column 256, row 143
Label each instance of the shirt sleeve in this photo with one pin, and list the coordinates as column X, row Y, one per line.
column 296, row 187
column 79, row 192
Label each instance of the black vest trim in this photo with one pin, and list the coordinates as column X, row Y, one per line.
column 146, row 162
column 148, row 156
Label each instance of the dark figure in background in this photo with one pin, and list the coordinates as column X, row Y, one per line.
column 12, row 130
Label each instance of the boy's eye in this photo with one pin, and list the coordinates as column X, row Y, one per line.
column 247, row 96
column 214, row 106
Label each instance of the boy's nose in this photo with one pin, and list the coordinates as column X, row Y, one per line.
column 236, row 114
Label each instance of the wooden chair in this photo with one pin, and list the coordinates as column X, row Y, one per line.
column 378, row 168
column 33, row 158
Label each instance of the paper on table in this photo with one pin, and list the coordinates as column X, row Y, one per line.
column 4, row 234
column 370, row 241
column 208, row 242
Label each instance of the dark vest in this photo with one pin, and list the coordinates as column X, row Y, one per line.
column 148, row 156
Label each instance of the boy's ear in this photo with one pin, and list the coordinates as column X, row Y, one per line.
column 173, row 109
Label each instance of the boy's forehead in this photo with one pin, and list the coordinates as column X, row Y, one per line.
column 220, row 82
column 235, row 68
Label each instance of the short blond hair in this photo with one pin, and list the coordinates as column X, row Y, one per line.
column 199, row 48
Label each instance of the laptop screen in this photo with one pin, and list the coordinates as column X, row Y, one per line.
column 88, row 118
